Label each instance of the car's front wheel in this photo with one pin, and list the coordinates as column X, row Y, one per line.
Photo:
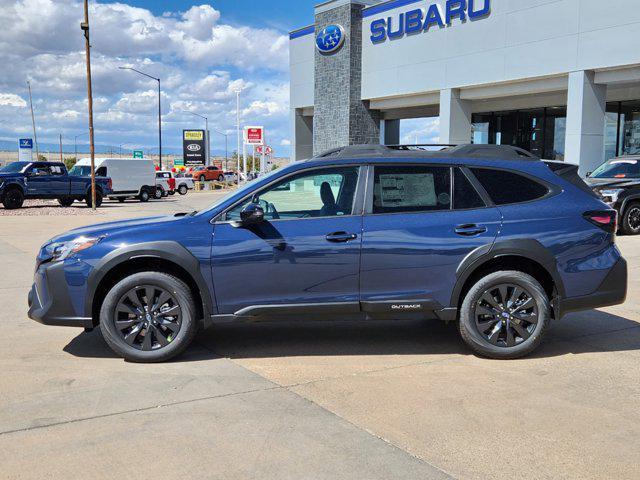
column 505, row 315
column 631, row 220
column 159, row 193
column 13, row 199
column 148, row 317
column 144, row 195
column 182, row 189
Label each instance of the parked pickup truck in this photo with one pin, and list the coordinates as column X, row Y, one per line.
column 48, row 180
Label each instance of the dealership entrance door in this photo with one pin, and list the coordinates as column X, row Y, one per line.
column 540, row 131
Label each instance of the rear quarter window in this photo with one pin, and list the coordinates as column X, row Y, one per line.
column 505, row 187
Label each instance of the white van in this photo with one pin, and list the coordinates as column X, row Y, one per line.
column 131, row 177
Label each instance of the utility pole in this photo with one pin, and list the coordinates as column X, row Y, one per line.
column 84, row 26
column 61, row 160
column 33, row 122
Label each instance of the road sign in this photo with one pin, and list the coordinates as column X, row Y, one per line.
column 194, row 147
column 25, row 149
column 178, row 162
column 138, row 154
column 254, row 135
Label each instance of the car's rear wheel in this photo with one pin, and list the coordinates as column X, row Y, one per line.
column 505, row 315
column 149, row 317
column 89, row 199
column 631, row 220
column 13, row 199
column 144, row 195
column 221, row 178
column 182, row 189
column 202, row 178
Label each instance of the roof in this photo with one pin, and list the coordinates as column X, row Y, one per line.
column 494, row 152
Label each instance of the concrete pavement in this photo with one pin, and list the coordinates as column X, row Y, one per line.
column 312, row 400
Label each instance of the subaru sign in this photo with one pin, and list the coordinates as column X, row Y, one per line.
column 422, row 20
column 330, row 39
column 25, row 149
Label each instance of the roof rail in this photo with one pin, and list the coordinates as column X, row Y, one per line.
column 498, row 152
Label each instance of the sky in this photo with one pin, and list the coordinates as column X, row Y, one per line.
column 203, row 53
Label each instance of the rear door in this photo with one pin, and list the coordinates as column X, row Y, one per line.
column 421, row 221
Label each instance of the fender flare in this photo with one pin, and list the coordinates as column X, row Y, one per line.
column 626, row 200
column 11, row 184
column 525, row 248
column 170, row 251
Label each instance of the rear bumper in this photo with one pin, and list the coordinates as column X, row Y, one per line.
column 612, row 291
column 50, row 302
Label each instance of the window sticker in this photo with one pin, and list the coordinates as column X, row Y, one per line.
column 408, row 190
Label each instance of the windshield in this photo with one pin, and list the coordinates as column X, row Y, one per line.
column 618, row 168
column 81, row 171
column 241, row 191
column 15, row 167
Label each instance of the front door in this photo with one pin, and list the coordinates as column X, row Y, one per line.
column 304, row 257
column 421, row 222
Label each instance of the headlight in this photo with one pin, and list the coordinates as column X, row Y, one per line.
column 60, row 251
column 611, row 195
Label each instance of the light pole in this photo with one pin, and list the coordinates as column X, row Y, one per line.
column 206, row 127
column 159, row 110
column 75, row 143
column 226, row 147
column 238, row 129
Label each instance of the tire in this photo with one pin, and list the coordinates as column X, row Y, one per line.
column 66, row 201
column 471, row 318
column 182, row 189
column 98, row 199
column 165, row 194
column 203, row 178
column 159, row 193
column 144, row 195
column 221, row 178
column 164, row 343
column 13, row 199
column 630, row 224
column 121, row 199
column 172, row 192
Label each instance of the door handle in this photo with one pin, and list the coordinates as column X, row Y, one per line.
column 341, row 237
column 470, row 230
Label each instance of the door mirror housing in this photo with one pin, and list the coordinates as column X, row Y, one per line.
column 252, row 214
column 589, row 174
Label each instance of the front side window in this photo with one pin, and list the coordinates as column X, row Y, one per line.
column 509, row 187
column 325, row 192
column 411, row 188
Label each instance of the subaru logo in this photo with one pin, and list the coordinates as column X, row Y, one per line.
column 194, row 147
column 330, row 39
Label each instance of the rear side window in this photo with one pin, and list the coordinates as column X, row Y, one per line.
column 411, row 188
column 508, row 187
column 465, row 196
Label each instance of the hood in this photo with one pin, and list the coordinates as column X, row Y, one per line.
column 7, row 175
column 111, row 228
column 612, row 182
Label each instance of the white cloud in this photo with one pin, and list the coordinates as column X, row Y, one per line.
column 12, row 100
column 285, row 142
column 420, row 130
column 201, row 60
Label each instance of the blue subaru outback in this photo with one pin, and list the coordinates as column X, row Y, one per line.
column 487, row 236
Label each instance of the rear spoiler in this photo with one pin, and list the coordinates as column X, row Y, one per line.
column 569, row 173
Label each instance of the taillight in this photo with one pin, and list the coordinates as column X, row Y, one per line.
column 605, row 219
column 110, row 184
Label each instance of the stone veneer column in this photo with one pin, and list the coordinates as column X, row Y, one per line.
column 340, row 116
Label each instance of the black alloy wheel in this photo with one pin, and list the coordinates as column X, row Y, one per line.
column 148, row 317
column 631, row 220
column 506, row 315
column 13, row 199
column 89, row 199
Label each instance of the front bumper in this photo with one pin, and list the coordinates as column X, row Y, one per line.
column 50, row 302
column 612, row 291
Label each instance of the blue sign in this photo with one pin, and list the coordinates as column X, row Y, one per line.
column 421, row 21
column 26, row 143
column 330, row 39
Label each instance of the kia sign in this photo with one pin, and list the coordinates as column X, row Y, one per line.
column 254, row 135
column 194, row 148
column 25, row 149
column 266, row 150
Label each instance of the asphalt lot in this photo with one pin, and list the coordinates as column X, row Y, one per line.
column 327, row 400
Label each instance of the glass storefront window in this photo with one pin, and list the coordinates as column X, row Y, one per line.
column 630, row 126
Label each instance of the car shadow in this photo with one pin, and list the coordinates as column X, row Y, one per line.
column 593, row 331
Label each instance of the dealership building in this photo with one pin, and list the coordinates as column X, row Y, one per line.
column 560, row 78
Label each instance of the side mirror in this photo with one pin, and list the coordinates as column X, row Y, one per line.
column 589, row 174
column 250, row 215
